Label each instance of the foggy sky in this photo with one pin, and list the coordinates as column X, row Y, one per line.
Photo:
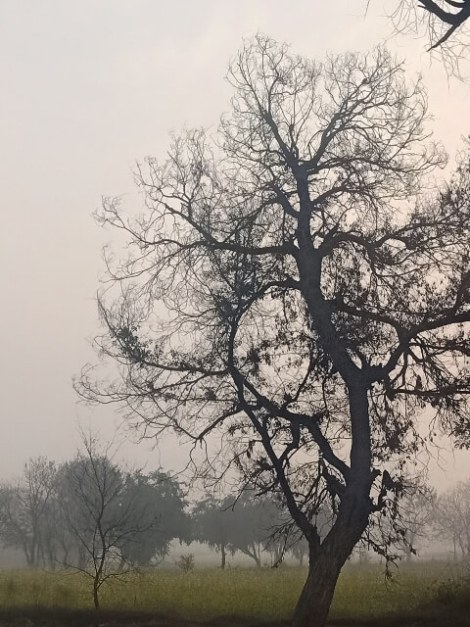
column 88, row 88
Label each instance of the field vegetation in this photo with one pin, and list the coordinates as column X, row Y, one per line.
column 432, row 593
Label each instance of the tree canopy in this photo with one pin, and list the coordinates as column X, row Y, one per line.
column 156, row 507
column 296, row 289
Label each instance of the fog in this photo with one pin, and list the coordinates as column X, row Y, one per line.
column 88, row 88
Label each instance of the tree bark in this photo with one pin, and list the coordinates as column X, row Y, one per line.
column 222, row 551
column 314, row 603
column 327, row 560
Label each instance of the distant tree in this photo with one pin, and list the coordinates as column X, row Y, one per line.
column 291, row 292
column 413, row 513
column 159, row 506
column 299, row 550
column 213, row 525
column 257, row 525
column 452, row 518
column 25, row 511
column 98, row 513
column 62, row 545
column 417, row 508
column 295, row 542
column 263, row 524
column 247, row 524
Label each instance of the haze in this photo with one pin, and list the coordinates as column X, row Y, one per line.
column 88, row 88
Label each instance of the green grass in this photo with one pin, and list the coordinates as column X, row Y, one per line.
column 363, row 594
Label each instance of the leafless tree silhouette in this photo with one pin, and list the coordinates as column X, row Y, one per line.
column 292, row 292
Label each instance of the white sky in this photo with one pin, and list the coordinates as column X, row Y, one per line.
column 87, row 88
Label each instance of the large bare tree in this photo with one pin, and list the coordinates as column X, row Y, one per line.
column 290, row 292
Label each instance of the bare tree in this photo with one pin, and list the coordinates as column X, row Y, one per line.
column 417, row 511
column 290, row 292
column 97, row 513
column 452, row 518
column 25, row 508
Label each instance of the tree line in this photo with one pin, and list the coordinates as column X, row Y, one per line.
column 69, row 515
column 52, row 513
column 92, row 515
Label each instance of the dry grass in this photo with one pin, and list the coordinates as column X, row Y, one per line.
column 422, row 595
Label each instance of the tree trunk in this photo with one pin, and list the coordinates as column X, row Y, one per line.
column 314, row 603
column 254, row 554
column 327, row 560
column 222, row 551
column 29, row 554
column 96, row 598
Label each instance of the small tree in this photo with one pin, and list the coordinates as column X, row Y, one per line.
column 98, row 513
column 290, row 291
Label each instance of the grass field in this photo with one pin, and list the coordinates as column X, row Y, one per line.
column 424, row 594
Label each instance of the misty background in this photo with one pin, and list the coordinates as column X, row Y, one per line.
column 88, row 88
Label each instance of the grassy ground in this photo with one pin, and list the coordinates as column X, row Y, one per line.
column 428, row 594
